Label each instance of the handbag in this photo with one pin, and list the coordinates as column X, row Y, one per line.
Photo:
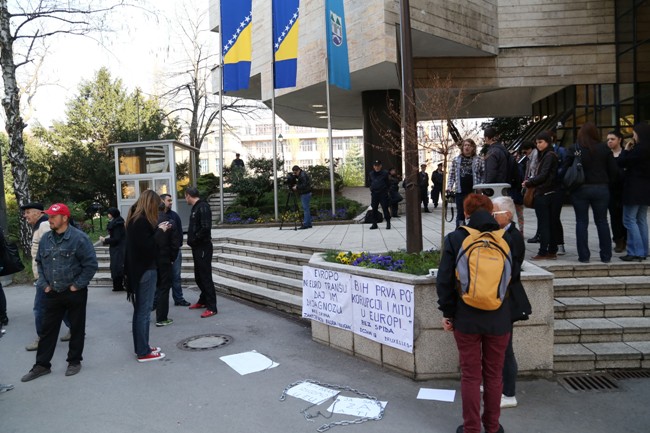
column 529, row 197
column 575, row 175
column 10, row 262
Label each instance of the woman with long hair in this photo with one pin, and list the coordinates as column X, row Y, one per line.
column 467, row 170
column 544, row 181
column 619, row 235
column 636, row 160
column 140, row 265
column 599, row 168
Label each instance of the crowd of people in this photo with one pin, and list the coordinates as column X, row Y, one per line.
column 145, row 261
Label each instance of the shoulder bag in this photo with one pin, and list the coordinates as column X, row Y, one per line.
column 575, row 175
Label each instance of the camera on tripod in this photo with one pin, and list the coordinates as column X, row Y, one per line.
column 291, row 180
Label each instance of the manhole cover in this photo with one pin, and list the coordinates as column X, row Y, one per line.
column 204, row 342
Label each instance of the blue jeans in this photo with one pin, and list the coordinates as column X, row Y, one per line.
column 305, row 199
column 177, row 290
column 596, row 196
column 144, row 294
column 635, row 220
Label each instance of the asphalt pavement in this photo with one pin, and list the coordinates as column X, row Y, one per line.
column 194, row 391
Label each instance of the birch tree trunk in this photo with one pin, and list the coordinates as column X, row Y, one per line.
column 14, row 123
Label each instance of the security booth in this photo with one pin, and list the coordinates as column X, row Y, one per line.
column 165, row 166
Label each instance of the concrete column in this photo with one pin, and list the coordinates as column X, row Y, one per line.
column 381, row 120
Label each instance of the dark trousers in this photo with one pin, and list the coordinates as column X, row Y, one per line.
column 56, row 306
column 558, row 197
column 377, row 198
column 424, row 198
column 436, row 191
column 202, row 256
column 460, row 211
column 619, row 233
column 3, row 305
column 510, row 369
column 544, row 210
column 481, row 359
column 596, row 196
column 163, row 284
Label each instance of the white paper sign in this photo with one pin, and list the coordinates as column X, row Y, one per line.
column 383, row 311
column 248, row 362
column 359, row 407
column 326, row 297
column 378, row 310
column 311, row 392
column 447, row 395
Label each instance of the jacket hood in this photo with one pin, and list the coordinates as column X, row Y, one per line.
column 483, row 221
column 115, row 222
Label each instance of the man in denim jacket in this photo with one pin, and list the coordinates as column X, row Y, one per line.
column 66, row 263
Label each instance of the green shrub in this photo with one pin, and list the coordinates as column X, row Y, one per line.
column 207, row 184
column 251, row 212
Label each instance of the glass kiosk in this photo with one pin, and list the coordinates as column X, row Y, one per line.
column 165, row 166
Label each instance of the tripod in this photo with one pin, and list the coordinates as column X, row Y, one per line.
column 291, row 200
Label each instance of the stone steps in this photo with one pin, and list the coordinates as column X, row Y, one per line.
column 276, row 283
column 275, row 299
column 256, row 264
column 602, row 316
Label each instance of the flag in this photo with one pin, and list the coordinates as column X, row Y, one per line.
column 236, row 47
column 337, row 45
column 285, row 42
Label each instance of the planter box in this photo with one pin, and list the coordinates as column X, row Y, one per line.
column 434, row 353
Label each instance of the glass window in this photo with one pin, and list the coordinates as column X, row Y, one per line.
column 626, row 91
column 128, row 189
column 161, row 186
column 203, row 166
column 607, row 94
column 144, row 185
column 626, row 67
column 184, row 171
column 139, row 160
column 307, row 145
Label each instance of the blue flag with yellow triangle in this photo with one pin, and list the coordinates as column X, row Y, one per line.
column 236, row 43
column 285, row 42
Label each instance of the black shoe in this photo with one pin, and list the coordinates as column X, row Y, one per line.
column 534, row 240
column 182, row 303
column 426, row 210
column 629, row 258
column 36, row 371
column 304, row 227
column 4, row 321
column 373, row 227
column 460, row 429
column 387, row 225
column 72, row 369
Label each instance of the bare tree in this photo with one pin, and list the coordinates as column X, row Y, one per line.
column 21, row 32
column 438, row 99
column 189, row 97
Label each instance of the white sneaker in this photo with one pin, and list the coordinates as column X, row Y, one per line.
column 560, row 250
column 508, row 401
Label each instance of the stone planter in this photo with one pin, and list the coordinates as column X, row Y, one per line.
column 434, row 352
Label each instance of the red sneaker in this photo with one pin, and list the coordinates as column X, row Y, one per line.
column 208, row 313
column 153, row 356
column 196, row 306
column 155, row 349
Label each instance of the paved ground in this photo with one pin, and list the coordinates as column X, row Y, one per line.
column 197, row 392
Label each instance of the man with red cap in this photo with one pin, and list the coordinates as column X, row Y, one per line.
column 66, row 263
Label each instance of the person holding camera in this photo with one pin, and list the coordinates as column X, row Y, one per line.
column 466, row 171
column 302, row 187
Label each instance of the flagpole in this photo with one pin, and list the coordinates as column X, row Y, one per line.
column 329, row 127
column 275, row 144
column 220, row 119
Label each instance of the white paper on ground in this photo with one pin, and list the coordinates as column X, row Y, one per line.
column 248, row 362
column 311, row 392
column 361, row 407
column 447, row 395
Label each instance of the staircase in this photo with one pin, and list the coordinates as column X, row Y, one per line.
column 602, row 311
column 602, row 316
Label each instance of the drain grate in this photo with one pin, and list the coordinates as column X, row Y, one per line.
column 204, row 342
column 630, row 374
column 589, row 382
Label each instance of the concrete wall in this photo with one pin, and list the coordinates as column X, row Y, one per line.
column 435, row 354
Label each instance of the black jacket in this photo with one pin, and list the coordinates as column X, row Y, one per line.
column 116, row 245
column 496, row 164
column 303, row 183
column 437, row 179
column 379, row 181
column 199, row 231
column 598, row 164
column 140, row 250
column 520, row 307
column 167, row 241
column 544, row 179
column 467, row 319
column 637, row 175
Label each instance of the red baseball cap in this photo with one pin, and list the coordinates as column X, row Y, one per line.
column 58, row 209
